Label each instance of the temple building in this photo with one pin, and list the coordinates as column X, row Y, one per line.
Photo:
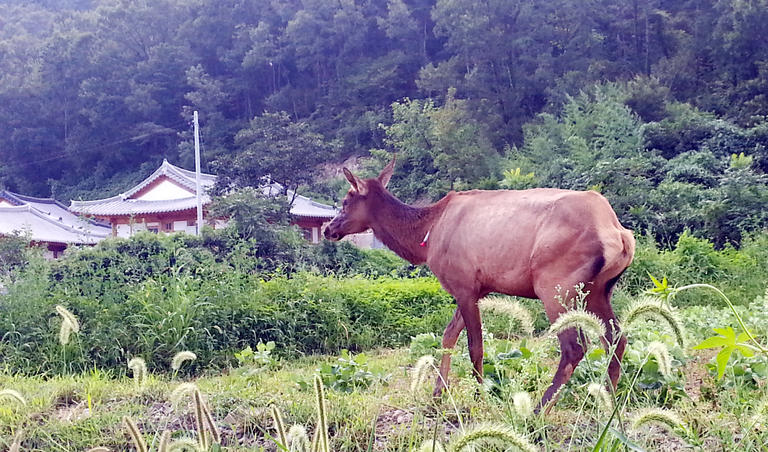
column 47, row 223
column 166, row 202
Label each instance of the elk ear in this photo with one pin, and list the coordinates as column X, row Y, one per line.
column 355, row 182
column 386, row 173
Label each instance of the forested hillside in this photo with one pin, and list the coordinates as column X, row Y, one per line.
column 644, row 100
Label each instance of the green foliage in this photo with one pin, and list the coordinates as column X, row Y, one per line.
column 269, row 149
column 13, row 255
column 154, row 305
column 727, row 341
column 260, row 359
column 349, row 373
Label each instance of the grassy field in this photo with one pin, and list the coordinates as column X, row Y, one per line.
column 373, row 404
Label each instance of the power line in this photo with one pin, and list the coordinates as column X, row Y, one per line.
column 66, row 154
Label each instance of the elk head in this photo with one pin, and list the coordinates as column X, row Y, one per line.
column 356, row 210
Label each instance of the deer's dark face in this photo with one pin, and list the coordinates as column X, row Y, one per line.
column 352, row 219
column 356, row 208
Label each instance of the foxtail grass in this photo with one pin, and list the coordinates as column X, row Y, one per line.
column 181, row 391
column 136, row 437
column 587, row 322
column 206, row 427
column 657, row 416
column 432, row 445
column 183, row 444
column 17, row 439
column 421, row 371
column 69, row 318
column 523, row 404
column 490, row 434
column 660, row 351
column 603, row 399
column 647, row 306
column 139, row 368
column 320, row 441
column 180, row 358
column 298, row 439
column 12, row 394
column 165, row 441
column 65, row 332
column 277, row 419
column 511, row 309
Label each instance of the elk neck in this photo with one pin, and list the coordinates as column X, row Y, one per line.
column 402, row 227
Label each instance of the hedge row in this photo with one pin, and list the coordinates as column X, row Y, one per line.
column 213, row 314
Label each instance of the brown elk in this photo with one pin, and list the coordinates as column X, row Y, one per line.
column 528, row 243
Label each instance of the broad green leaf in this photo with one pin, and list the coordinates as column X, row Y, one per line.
column 745, row 350
column 714, row 342
column 722, row 360
column 726, row 332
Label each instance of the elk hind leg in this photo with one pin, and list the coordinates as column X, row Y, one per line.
column 614, row 341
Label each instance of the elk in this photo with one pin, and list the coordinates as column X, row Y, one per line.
column 527, row 243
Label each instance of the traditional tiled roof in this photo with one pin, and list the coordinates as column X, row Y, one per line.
column 302, row 206
column 124, row 204
column 41, row 227
column 54, row 209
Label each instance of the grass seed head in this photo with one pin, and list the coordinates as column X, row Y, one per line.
column 657, row 416
column 136, row 437
column 660, row 351
column 523, row 404
column 421, row 371
column 12, row 394
column 512, row 309
column 277, row 419
column 181, row 391
column 181, row 357
column 583, row 320
column 647, row 306
column 431, row 445
column 65, row 331
column 139, row 368
column 603, row 399
column 490, row 434
column 68, row 317
column 298, row 440
column 183, row 444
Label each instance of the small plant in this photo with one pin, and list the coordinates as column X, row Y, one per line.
column 425, row 344
column 726, row 339
column 349, row 373
column 258, row 360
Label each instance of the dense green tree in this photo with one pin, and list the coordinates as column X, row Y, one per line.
column 273, row 148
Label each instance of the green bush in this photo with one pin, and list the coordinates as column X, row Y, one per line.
column 213, row 313
column 740, row 273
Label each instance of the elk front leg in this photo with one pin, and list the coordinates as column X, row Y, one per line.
column 450, row 337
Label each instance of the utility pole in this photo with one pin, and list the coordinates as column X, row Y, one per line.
column 197, row 179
